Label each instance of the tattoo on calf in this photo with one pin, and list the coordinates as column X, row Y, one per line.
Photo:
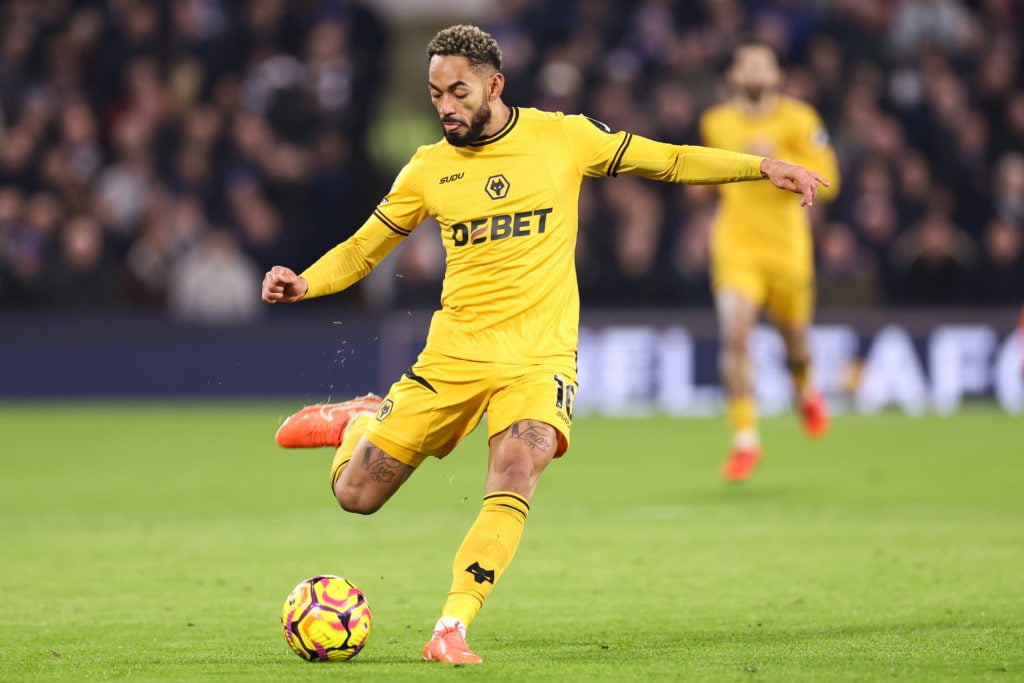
column 535, row 434
column 381, row 466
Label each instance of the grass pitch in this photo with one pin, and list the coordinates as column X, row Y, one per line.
column 158, row 541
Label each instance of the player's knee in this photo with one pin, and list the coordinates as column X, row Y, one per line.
column 514, row 474
column 356, row 500
column 734, row 344
column 733, row 337
column 517, row 463
column 358, row 506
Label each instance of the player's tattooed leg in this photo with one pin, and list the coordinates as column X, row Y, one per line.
column 381, row 466
column 534, row 434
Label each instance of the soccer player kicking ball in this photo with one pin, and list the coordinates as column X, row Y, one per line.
column 761, row 251
column 503, row 184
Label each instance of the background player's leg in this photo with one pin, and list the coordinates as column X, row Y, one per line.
column 808, row 400
column 798, row 357
column 518, row 455
column 737, row 315
column 792, row 309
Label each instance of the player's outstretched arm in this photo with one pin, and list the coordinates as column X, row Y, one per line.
column 798, row 179
column 282, row 285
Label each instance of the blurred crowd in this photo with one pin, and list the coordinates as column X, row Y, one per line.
column 161, row 154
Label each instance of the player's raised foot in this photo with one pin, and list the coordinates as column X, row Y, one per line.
column 449, row 646
column 324, row 424
column 814, row 415
column 742, row 463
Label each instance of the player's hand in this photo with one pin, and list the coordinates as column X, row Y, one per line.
column 282, row 285
column 798, row 179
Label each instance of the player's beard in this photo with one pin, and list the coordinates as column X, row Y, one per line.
column 473, row 130
column 754, row 93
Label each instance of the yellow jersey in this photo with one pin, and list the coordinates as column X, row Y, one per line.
column 756, row 216
column 507, row 208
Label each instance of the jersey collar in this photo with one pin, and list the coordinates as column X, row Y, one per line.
column 505, row 130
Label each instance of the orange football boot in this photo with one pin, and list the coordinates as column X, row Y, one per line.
column 449, row 646
column 323, row 424
column 741, row 464
column 814, row 415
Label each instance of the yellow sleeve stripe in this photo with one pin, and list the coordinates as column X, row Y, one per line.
column 394, row 227
column 613, row 167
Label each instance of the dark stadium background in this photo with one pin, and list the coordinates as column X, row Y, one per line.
column 156, row 157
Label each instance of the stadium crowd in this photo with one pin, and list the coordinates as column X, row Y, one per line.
column 160, row 155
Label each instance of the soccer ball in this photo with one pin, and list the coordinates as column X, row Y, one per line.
column 326, row 618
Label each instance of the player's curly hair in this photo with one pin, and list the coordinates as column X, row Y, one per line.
column 467, row 41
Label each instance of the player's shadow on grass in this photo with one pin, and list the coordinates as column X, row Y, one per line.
column 752, row 492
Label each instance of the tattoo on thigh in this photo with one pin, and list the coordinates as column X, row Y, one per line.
column 535, row 434
column 381, row 466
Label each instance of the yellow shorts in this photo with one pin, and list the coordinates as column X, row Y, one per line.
column 785, row 292
column 442, row 399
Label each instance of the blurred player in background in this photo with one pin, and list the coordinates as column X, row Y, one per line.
column 504, row 186
column 761, row 247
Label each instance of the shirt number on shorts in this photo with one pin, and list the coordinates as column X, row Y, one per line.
column 564, row 393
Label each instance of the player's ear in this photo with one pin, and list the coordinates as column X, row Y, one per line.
column 495, row 85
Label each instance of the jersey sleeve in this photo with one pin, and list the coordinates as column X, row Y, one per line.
column 395, row 217
column 596, row 148
column 601, row 152
column 403, row 207
column 689, row 164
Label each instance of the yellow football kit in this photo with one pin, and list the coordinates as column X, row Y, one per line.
column 761, row 238
column 505, row 337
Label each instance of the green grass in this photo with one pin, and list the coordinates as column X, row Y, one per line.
column 158, row 541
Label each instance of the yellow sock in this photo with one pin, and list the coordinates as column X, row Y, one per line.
column 741, row 412
column 353, row 432
column 485, row 553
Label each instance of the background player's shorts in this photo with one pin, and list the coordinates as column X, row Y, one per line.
column 442, row 399
column 785, row 292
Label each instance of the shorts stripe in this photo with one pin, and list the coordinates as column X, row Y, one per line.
column 416, row 378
